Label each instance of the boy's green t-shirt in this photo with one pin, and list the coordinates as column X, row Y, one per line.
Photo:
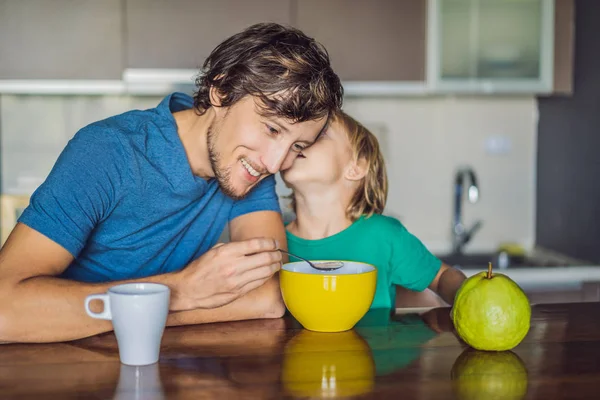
column 382, row 241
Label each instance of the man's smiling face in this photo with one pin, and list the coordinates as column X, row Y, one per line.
column 245, row 146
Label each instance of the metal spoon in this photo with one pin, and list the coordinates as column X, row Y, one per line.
column 322, row 266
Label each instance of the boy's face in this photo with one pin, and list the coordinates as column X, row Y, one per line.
column 325, row 162
column 245, row 147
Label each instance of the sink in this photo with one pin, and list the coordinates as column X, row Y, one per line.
column 481, row 260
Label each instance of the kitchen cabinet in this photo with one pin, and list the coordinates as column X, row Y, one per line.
column 396, row 47
column 499, row 46
column 445, row 46
column 564, row 46
column 377, row 41
column 60, row 39
column 180, row 34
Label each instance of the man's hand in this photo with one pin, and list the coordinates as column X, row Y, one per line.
column 225, row 273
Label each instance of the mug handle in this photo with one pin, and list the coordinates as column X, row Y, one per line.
column 105, row 299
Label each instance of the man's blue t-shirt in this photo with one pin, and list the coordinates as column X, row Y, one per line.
column 123, row 201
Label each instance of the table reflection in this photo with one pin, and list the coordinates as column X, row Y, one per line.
column 386, row 355
column 397, row 341
column 489, row 375
column 275, row 358
column 139, row 382
column 329, row 365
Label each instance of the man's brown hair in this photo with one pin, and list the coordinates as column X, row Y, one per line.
column 288, row 71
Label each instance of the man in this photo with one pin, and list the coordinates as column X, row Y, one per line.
column 145, row 195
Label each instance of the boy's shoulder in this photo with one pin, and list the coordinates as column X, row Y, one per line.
column 384, row 223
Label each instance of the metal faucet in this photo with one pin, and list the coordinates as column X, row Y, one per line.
column 460, row 235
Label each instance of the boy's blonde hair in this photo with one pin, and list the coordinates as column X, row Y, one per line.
column 371, row 195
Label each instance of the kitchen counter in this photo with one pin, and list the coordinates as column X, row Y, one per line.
column 539, row 276
column 402, row 356
column 554, row 284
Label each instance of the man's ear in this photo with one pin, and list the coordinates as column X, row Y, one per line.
column 357, row 170
column 215, row 97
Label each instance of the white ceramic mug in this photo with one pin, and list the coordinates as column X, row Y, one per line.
column 139, row 314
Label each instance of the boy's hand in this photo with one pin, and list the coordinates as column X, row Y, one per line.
column 447, row 282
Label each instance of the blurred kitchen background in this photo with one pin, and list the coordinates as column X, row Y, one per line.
column 504, row 91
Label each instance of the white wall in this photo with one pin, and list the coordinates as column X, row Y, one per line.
column 429, row 138
column 425, row 140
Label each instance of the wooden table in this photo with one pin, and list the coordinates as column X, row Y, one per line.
column 404, row 356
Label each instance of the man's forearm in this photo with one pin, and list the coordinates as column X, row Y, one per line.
column 49, row 309
column 263, row 302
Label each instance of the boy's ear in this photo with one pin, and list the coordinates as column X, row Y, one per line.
column 357, row 170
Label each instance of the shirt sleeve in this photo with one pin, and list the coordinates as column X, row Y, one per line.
column 413, row 265
column 263, row 197
column 79, row 192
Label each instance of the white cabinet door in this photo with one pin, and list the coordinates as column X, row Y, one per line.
column 491, row 46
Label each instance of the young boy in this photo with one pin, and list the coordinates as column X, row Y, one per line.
column 339, row 189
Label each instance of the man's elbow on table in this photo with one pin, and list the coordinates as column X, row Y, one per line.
column 4, row 324
column 271, row 300
column 6, row 333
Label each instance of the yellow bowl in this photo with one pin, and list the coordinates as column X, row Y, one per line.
column 327, row 365
column 328, row 301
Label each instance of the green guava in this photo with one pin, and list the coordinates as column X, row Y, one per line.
column 491, row 312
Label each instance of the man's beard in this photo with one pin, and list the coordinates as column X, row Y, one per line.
column 223, row 175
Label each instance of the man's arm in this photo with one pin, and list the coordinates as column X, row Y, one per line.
column 36, row 306
column 446, row 283
column 264, row 301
